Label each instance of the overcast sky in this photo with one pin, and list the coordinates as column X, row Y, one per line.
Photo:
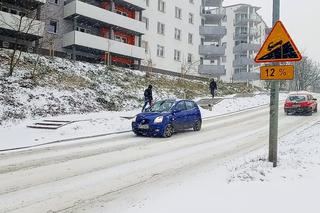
column 301, row 19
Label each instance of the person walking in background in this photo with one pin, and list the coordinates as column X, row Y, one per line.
column 213, row 87
column 147, row 97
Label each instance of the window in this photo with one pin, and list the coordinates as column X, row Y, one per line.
column 4, row 9
column 190, row 18
column 160, row 28
column 120, row 39
column 81, row 29
column 160, row 51
column 177, row 34
column 122, row 13
column 224, row 59
column 13, row 11
column 144, row 44
column 146, row 21
column 191, row 1
column 189, row 58
column 161, row 6
column 147, row 3
column 54, row 2
column 53, row 26
column 178, row 13
column 177, row 55
column 190, row 105
column 181, row 106
column 190, row 38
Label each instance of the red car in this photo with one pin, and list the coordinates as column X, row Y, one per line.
column 300, row 102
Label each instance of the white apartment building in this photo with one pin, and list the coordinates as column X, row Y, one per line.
column 246, row 32
column 95, row 30
column 172, row 37
column 20, row 24
column 212, row 50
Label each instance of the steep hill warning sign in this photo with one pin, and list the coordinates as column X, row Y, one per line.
column 278, row 47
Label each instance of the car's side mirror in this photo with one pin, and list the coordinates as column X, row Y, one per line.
column 314, row 99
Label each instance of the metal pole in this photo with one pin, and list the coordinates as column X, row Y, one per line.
column 274, row 101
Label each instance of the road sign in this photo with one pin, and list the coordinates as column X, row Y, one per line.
column 277, row 72
column 278, row 47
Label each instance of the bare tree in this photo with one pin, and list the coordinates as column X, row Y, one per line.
column 22, row 25
column 307, row 74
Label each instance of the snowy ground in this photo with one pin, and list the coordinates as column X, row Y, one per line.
column 246, row 184
column 218, row 169
column 104, row 123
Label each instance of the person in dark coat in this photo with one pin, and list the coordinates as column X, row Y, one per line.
column 147, row 97
column 213, row 87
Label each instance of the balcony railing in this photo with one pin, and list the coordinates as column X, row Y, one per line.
column 213, row 70
column 243, row 61
column 243, row 21
column 103, row 44
column 212, row 50
column 28, row 25
column 243, row 35
column 213, row 3
column 246, row 47
column 79, row 8
column 213, row 31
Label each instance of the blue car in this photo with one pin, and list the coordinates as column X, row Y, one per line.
column 166, row 117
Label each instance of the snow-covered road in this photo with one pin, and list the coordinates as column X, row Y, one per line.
column 70, row 176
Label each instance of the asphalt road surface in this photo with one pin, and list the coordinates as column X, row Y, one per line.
column 64, row 177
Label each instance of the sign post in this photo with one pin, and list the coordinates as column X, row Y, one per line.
column 278, row 47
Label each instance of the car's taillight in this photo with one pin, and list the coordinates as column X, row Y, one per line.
column 305, row 104
column 288, row 103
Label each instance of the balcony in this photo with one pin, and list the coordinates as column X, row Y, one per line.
column 29, row 26
column 246, row 47
column 244, row 35
column 250, row 19
column 213, row 3
column 213, row 32
column 136, row 4
column 243, row 61
column 79, row 8
column 103, row 44
column 213, row 70
column 212, row 50
column 213, row 16
column 246, row 76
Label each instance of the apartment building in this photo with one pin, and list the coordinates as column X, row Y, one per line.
column 20, row 24
column 246, row 32
column 211, row 49
column 96, row 30
column 172, row 37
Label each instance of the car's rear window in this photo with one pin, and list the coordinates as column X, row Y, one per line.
column 297, row 98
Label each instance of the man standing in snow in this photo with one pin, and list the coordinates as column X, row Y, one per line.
column 147, row 97
column 213, row 87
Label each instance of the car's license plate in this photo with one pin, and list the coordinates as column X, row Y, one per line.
column 143, row 126
column 295, row 105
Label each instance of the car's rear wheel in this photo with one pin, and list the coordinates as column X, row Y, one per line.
column 197, row 126
column 168, row 131
column 316, row 109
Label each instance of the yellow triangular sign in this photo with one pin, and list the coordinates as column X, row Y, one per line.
column 278, row 47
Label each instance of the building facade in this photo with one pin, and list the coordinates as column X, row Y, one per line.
column 20, row 24
column 246, row 34
column 95, row 30
column 182, row 36
column 211, row 49
column 172, row 37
